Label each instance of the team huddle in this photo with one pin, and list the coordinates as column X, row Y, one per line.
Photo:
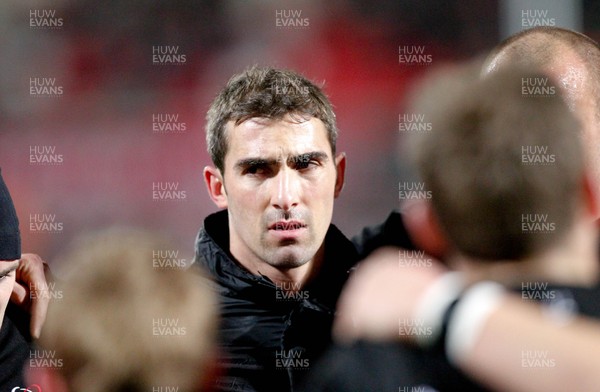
column 279, row 299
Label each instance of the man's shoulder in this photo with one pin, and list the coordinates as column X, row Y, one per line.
column 339, row 247
column 213, row 257
column 212, row 239
column 391, row 232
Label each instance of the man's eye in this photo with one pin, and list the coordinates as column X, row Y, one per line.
column 258, row 169
column 305, row 164
column 2, row 277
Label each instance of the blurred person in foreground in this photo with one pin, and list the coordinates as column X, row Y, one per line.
column 125, row 325
column 14, row 348
column 572, row 59
column 28, row 300
column 277, row 261
column 520, row 216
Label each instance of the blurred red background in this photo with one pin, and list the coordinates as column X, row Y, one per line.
column 102, row 123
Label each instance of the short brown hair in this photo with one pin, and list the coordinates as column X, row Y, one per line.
column 103, row 327
column 473, row 161
column 264, row 92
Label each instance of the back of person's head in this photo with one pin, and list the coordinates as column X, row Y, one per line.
column 268, row 93
column 498, row 158
column 123, row 324
column 550, row 48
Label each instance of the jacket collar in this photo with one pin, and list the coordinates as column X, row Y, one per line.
column 212, row 252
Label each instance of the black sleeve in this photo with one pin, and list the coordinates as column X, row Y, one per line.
column 581, row 300
column 20, row 319
column 14, row 355
column 370, row 366
column 389, row 233
column 588, row 301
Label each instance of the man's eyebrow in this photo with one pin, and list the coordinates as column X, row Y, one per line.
column 8, row 270
column 316, row 155
column 246, row 162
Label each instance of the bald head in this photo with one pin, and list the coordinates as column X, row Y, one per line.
column 573, row 61
column 570, row 57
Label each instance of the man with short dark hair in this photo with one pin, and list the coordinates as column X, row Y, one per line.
column 277, row 261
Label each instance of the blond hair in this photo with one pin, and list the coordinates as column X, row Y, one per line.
column 104, row 326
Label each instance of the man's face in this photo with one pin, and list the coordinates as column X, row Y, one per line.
column 7, row 281
column 279, row 185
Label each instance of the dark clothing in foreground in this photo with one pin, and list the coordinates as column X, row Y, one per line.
column 368, row 366
column 14, row 334
column 14, row 352
column 389, row 233
column 271, row 337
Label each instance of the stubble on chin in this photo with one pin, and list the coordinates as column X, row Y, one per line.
column 286, row 258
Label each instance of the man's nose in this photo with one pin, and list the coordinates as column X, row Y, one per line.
column 286, row 189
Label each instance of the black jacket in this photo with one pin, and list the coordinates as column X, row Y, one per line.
column 14, row 352
column 268, row 339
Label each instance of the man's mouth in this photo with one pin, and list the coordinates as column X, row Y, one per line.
column 286, row 225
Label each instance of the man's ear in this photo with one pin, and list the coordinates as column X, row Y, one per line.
column 423, row 228
column 340, row 168
column 590, row 195
column 215, row 185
